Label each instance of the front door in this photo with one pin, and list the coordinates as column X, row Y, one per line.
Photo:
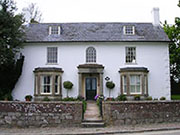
column 91, row 88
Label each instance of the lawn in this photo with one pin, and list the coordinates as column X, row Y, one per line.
column 175, row 97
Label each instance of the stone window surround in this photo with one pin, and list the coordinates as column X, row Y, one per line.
column 142, row 71
column 38, row 72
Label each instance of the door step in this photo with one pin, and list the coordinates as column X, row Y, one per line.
column 93, row 123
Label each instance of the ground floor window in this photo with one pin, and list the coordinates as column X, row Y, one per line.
column 48, row 82
column 134, row 81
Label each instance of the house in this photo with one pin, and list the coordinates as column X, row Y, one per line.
column 134, row 56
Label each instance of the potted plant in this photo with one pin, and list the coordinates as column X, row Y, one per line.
column 28, row 97
column 110, row 85
column 137, row 97
column 68, row 86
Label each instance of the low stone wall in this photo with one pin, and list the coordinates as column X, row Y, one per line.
column 141, row 112
column 40, row 114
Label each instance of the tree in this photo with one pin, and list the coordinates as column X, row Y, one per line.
column 110, row 85
column 68, row 86
column 32, row 13
column 11, row 39
column 173, row 32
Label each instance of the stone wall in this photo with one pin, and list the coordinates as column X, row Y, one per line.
column 141, row 112
column 40, row 114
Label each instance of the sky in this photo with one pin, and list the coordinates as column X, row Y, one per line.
column 58, row 11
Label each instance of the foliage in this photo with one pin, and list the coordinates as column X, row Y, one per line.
column 11, row 39
column 137, row 97
column 32, row 13
column 84, row 106
column 175, row 97
column 28, row 97
column 173, row 32
column 68, row 85
column 148, row 98
column 121, row 98
column 69, row 99
column 110, row 84
column 8, row 97
column 155, row 99
column 46, row 99
column 162, row 98
column 80, row 98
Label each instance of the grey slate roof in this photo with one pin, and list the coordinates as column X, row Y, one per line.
column 100, row 32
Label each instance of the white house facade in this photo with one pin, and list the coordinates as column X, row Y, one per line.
column 134, row 56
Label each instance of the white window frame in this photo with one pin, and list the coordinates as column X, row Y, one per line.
column 128, row 57
column 42, row 85
column 126, row 30
column 58, row 82
column 52, row 57
column 140, row 84
column 91, row 55
column 54, row 32
column 124, row 84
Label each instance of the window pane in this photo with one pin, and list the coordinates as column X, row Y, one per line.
column 93, row 83
column 46, row 84
column 52, row 55
column 56, row 84
column 130, row 54
column 90, row 55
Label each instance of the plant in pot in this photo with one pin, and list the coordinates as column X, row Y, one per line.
column 110, row 85
column 28, row 97
column 68, row 86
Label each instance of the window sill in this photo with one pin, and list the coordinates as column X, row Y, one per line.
column 52, row 64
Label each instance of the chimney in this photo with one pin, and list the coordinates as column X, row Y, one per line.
column 155, row 16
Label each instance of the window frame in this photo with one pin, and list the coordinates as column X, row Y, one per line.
column 91, row 55
column 132, row 59
column 127, row 28
column 39, row 73
column 54, row 30
column 137, row 71
column 52, row 57
column 135, row 85
column 43, row 84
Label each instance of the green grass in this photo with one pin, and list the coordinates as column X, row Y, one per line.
column 175, row 97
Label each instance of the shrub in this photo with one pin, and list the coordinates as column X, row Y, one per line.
column 148, row 98
column 162, row 98
column 68, row 85
column 8, row 97
column 84, row 106
column 155, row 98
column 46, row 99
column 121, row 98
column 110, row 85
column 69, row 99
column 137, row 97
column 80, row 98
column 28, row 97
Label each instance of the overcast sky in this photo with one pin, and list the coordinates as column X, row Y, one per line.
column 103, row 10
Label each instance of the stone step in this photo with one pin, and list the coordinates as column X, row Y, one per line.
column 93, row 124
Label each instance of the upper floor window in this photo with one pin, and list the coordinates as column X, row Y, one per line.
column 52, row 55
column 54, row 30
column 130, row 54
column 129, row 30
column 90, row 55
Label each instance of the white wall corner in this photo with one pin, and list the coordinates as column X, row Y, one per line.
column 155, row 16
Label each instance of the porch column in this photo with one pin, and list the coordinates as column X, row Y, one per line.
column 80, row 84
column 101, row 83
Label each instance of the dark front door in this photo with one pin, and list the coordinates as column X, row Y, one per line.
column 91, row 88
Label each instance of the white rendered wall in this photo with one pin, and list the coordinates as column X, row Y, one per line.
column 154, row 56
